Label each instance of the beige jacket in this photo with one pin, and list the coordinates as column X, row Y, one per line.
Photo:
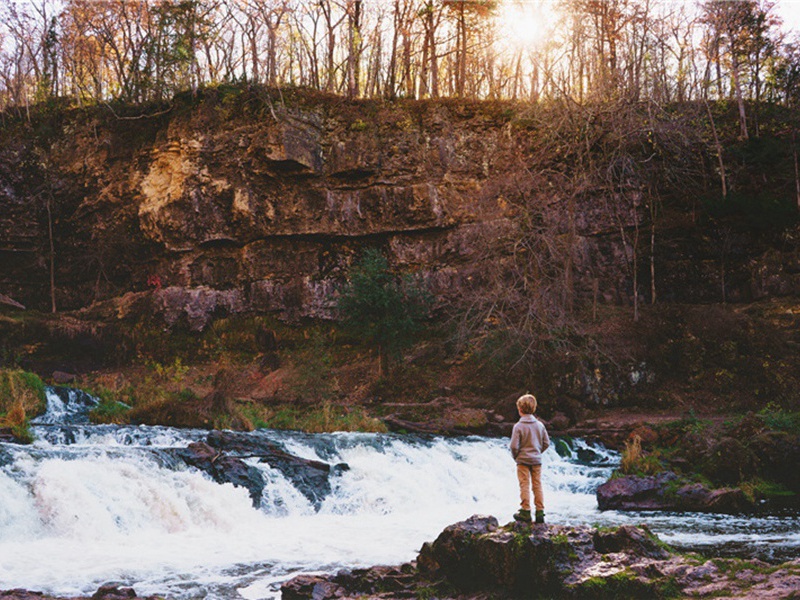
column 528, row 440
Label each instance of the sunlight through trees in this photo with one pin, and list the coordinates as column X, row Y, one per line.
column 101, row 50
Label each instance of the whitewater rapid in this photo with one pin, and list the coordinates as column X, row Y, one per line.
column 90, row 505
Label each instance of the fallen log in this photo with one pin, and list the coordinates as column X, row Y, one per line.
column 10, row 302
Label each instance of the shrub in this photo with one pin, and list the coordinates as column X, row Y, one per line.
column 325, row 418
column 16, row 420
column 636, row 462
column 313, row 379
column 23, row 388
column 109, row 410
column 775, row 417
column 382, row 309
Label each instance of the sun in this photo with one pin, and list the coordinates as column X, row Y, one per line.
column 524, row 24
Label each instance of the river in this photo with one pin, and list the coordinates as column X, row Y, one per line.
column 87, row 505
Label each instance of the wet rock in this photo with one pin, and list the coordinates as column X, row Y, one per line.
column 112, row 592
column 664, row 492
column 559, row 422
column 61, row 378
column 21, row 595
column 562, row 447
column 587, row 456
column 311, row 586
column 647, row 435
column 8, row 436
column 106, row 592
column 635, row 540
column 697, row 498
column 635, row 493
column 223, row 468
column 310, row 477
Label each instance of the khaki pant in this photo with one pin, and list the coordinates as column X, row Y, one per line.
column 530, row 476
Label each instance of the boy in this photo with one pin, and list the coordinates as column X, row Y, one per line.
column 528, row 440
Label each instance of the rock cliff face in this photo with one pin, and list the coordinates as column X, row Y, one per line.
column 231, row 213
column 226, row 204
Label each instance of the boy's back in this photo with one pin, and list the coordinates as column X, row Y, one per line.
column 528, row 440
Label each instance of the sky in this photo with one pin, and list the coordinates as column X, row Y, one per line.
column 789, row 10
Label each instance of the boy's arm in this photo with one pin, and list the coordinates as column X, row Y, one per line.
column 515, row 441
column 545, row 439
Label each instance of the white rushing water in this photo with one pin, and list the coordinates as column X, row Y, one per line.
column 89, row 505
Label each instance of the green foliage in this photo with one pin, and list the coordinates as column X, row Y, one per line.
column 636, row 462
column 24, row 388
column 623, row 584
column 563, row 447
column 16, row 420
column 109, row 410
column 313, row 378
column 381, row 309
column 560, row 539
column 669, row 588
column 776, row 417
column 425, row 593
column 325, row 418
column 760, row 489
column 359, row 125
column 173, row 372
column 690, row 423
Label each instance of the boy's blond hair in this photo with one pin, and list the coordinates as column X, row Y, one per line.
column 526, row 404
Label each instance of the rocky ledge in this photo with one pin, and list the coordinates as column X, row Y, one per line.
column 106, row 592
column 477, row 557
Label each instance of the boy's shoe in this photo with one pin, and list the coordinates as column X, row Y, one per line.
column 539, row 516
column 523, row 515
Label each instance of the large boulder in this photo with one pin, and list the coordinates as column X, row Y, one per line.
column 635, row 493
column 665, row 491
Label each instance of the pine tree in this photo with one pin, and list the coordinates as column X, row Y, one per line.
column 382, row 309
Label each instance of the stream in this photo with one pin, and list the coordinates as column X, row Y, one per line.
column 86, row 505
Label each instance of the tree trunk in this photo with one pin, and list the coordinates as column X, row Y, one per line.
column 719, row 151
column 652, row 255
column 635, row 266
column 737, row 88
column 52, row 258
column 383, row 362
column 390, row 90
column 354, row 51
column 796, row 169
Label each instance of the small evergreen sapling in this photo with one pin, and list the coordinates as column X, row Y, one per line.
column 381, row 308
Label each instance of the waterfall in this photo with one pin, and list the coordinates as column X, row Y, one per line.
column 67, row 405
column 87, row 505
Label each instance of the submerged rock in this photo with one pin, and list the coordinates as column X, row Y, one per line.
column 478, row 558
